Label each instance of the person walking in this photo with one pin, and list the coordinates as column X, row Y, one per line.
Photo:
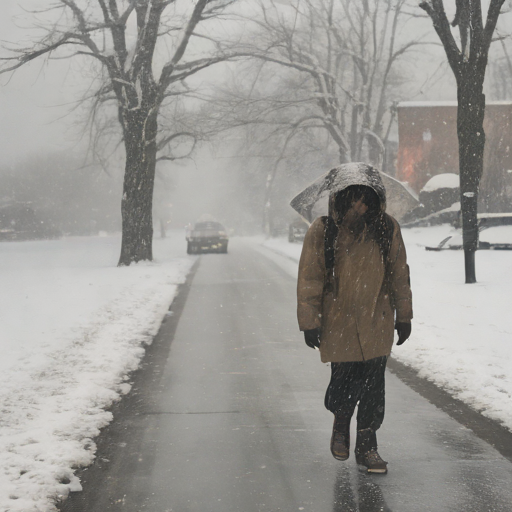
column 353, row 291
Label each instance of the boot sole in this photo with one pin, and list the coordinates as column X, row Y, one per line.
column 377, row 471
column 339, row 457
column 364, row 469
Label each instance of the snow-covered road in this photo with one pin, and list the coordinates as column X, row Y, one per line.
column 73, row 325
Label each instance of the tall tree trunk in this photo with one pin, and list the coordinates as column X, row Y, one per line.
column 343, row 156
column 468, row 65
column 470, row 131
column 376, row 152
column 267, row 221
column 163, row 232
column 140, row 128
column 354, row 125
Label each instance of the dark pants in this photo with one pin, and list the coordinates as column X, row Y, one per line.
column 358, row 381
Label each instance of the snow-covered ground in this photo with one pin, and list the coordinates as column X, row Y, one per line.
column 462, row 334
column 72, row 326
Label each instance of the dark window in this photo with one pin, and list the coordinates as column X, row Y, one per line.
column 210, row 226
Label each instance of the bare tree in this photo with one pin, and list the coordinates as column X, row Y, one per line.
column 468, row 63
column 100, row 29
column 270, row 132
column 273, row 166
column 346, row 55
column 321, row 65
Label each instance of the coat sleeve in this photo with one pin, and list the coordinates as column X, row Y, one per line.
column 400, row 284
column 310, row 283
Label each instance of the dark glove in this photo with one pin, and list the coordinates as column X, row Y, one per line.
column 404, row 331
column 312, row 337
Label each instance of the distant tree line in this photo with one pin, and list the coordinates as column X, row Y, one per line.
column 65, row 195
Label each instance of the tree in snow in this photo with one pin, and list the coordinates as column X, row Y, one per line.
column 468, row 61
column 128, row 39
column 261, row 126
column 273, row 160
column 322, row 65
column 344, row 57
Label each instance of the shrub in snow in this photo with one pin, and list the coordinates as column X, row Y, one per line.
column 440, row 193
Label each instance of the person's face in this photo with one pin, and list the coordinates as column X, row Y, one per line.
column 355, row 213
column 359, row 207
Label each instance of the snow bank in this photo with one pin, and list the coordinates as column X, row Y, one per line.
column 461, row 333
column 445, row 180
column 72, row 327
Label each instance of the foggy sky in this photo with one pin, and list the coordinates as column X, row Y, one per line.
column 33, row 100
column 35, row 104
column 36, row 100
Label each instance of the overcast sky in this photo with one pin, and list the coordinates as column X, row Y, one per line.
column 33, row 100
column 31, row 107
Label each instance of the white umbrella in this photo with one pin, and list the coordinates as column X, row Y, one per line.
column 313, row 201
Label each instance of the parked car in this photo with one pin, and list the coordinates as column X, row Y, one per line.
column 297, row 230
column 207, row 236
column 495, row 233
column 18, row 221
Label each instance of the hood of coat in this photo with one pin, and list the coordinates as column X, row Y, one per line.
column 337, row 179
column 357, row 173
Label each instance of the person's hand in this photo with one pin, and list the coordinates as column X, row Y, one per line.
column 312, row 337
column 404, row 331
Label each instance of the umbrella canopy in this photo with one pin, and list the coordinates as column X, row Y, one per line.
column 313, row 201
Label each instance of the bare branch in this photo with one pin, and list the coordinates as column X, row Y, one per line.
column 83, row 28
column 27, row 55
column 492, row 19
column 195, row 18
column 167, row 140
column 435, row 9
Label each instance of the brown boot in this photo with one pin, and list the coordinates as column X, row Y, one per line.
column 367, row 454
column 340, row 440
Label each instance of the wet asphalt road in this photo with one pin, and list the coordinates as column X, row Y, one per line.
column 231, row 418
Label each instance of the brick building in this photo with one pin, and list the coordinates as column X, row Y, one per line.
column 428, row 145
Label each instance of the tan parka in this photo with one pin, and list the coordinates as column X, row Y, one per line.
column 357, row 314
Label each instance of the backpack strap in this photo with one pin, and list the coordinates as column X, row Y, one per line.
column 390, row 230
column 330, row 233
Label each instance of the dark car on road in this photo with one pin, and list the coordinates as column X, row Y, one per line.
column 207, row 236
